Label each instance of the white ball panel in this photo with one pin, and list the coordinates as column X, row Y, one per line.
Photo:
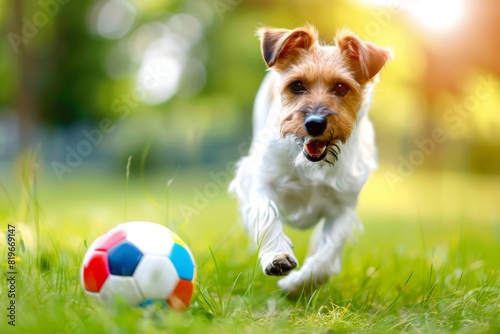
column 156, row 276
column 150, row 238
column 124, row 287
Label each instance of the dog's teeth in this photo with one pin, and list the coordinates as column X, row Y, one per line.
column 323, row 149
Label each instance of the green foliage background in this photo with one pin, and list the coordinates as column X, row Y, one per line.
column 76, row 75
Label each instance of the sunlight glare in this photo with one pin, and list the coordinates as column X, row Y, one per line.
column 437, row 15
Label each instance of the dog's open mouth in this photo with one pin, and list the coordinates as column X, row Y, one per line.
column 315, row 150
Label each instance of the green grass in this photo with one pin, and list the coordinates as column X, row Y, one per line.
column 428, row 260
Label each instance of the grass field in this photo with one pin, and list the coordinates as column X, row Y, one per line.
column 427, row 261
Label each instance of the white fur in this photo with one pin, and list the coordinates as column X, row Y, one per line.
column 276, row 185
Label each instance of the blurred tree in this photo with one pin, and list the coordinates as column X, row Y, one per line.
column 58, row 63
column 72, row 72
column 65, row 72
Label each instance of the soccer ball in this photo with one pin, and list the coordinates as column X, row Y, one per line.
column 142, row 263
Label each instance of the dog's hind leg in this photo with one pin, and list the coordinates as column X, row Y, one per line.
column 328, row 243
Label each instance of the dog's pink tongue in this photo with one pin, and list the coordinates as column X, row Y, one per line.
column 315, row 148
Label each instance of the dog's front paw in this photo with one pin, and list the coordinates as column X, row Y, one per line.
column 281, row 265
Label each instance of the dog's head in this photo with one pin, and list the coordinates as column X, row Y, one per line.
column 321, row 85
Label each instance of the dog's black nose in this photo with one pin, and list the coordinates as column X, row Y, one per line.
column 315, row 125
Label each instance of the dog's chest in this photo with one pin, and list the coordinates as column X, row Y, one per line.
column 302, row 201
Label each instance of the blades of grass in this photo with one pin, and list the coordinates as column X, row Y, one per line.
column 222, row 241
column 393, row 304
column 218, row 286
column 167, row 202
column 253, row 274
column 299, row 299
column 314, row 299
column 36, row 203
column 27, row 184
column 9, row 199
column 459, row 281
column 30, row 181
column 60, row 276
column 26, row 179
column 428, row 296
column 248, row 295
column 205, row 300
column 150, row 197
column 309, row 292
column 127, row 176
column 231, row 294
column 431, row 285
column 485, row 288
column 144, row 155
column 361, row 295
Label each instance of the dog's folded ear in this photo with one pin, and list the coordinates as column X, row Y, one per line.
column 366, row 58
column 281, row 46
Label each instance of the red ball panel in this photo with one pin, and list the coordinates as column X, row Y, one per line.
column 181, row 297
column 110, row 239
column 95, row 271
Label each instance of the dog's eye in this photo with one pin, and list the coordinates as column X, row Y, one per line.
column 340, row 89
column 297, row 87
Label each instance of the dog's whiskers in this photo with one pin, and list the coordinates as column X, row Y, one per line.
column 335, row 152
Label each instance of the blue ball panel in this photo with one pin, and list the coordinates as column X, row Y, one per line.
column 182, row 262
column 123, row 259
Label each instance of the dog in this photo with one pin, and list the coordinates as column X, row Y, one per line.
column 312, row 150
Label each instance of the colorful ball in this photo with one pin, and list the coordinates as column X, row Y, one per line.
column 141, row 263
